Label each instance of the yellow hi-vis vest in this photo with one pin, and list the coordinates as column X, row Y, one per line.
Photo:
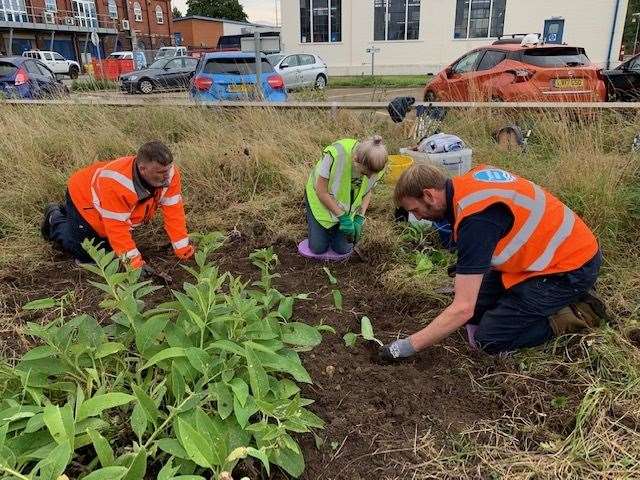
column 339, row 183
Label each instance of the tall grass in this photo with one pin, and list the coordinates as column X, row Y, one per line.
column 572, row 407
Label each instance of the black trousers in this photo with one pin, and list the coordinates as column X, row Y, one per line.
column 518, row 317
column 69, row 230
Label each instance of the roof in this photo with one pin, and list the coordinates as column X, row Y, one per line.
column 234, row 54
column 13, row 58
column 518, row 47
column 222, row 20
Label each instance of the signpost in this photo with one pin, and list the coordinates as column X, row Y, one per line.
column 258, row 45
column 373, row 51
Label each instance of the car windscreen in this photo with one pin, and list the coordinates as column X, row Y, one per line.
column 7, row 69
column 159, row 64
column 552, row 57
column 167, row 52
column 236, row 66
column 275, row 58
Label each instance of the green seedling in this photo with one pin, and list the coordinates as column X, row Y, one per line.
column 366, row 332
column 335, row 293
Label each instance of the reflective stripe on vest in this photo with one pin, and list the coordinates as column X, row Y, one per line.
column 340, row 164
column 560, row 235
column 180, row 243
column 133, row 253
column 168, row 201
column 536, row 207
column 122, row 180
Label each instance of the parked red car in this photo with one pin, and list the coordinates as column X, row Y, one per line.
column 509, row 71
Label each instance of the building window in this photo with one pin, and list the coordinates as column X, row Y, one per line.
column 85, row 13
column 137, row 12
column 479, row 18
column 159, row 14
column 50, row 6
column 396, row 19
column 320, row 21
column 113, row 9
column 13, row 11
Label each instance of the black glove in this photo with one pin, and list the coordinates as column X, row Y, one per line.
column 149, row 273
column 399, row 107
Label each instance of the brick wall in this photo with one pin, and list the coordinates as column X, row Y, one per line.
column 199, row 33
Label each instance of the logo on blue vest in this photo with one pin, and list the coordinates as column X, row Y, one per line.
column 494, row 175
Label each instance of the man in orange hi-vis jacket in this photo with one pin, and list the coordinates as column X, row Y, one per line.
column 526, row 262
column 106, row 200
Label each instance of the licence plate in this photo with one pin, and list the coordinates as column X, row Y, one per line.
column 567, row 83
column 241, row 88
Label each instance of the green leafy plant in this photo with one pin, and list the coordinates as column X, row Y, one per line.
column 428, row 260
column 366, row 332
column 335, row 293
column 194, row 385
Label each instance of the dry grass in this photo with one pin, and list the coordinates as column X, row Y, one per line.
column 571, row 407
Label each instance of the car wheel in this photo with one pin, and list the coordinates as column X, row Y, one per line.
column 321, row 82
column 145, row 86
column 73, row 72
column 430, row 96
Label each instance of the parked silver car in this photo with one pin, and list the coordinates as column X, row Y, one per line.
column 300, row 70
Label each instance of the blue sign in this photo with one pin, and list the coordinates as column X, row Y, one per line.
column 494, row 175
column 177, row 38
column 139, row 60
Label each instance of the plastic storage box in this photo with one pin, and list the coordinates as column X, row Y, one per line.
column 454, row 163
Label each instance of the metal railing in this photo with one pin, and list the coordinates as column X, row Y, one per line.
column 87, row 20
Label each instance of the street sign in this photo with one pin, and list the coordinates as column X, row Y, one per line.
column 373, row 50
column 267, row 44
column 94, row 38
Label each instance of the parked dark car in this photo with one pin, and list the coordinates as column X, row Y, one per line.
column 22, row 77
column 163, row 74
column 623, row 82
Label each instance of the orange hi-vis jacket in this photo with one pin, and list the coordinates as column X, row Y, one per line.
column 546, row 237
column 111, row 198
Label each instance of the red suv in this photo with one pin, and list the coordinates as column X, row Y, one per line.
column 509, row 71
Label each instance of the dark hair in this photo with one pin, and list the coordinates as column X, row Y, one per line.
column 155, row 151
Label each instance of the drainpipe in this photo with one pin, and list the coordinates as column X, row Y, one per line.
column 613, row 32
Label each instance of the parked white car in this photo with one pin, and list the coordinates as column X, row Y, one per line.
column 300, row 70
column 170, row 52
column 56, row 62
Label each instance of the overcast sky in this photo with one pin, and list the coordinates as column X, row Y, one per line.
column 258, row 11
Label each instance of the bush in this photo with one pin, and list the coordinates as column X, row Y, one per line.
column 93, row 85
column 191, row 387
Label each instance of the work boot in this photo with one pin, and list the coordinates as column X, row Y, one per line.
column 592, row 309
column 566, row 321
column 588, row 312
column 45, row 226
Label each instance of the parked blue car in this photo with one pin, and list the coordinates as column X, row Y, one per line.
column 22, row 77
column 232, row 76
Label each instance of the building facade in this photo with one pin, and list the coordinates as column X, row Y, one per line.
column 196, row 31
column 66, row 26
column 423, row 36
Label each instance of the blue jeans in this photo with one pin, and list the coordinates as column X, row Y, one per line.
column 320, row 238
column 519, row 317
column 69, row 230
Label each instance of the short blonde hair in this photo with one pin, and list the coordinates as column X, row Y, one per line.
column 416, row 178
column 372, row 154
